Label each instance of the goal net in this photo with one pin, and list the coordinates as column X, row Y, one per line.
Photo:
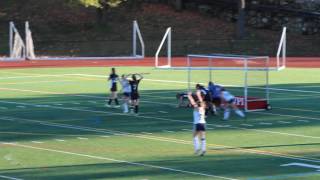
column 80, row 50
column 247, row 77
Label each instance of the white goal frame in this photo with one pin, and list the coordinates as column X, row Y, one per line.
column 136, row 35
column 16, row 53
column 245, row 68
column 279, row 65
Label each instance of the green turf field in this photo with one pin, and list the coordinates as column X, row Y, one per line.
column 54, row 125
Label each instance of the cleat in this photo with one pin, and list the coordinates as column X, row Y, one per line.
column 107, row 105
column 117, row 106
column 203, row 153
column 197, row 152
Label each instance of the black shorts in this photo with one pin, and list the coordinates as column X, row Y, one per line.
column 199, row 127
column 207, row 98
column 135, row 96
column 114, row 88
column 126, row 94
column 216, row 101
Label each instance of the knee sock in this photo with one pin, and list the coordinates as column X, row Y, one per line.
column 110, row 100
column 203, row 144
column 136, row 109
column 240, row 113
column 196, row 143
column 125, row 107
column 226, row 114
column 116, row 100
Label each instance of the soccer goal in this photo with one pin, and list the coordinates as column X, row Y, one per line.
column 245, row 76
column 138, row 48
column 17, row 48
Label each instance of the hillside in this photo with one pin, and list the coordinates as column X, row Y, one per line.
column 61, row 28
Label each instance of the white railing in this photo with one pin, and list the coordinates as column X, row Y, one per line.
column 167, row 36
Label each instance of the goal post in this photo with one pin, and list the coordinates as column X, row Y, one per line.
column 167, row 62
column 281, row 52
column 136, row 31
column 137, row 41
column 17, row 48
column 29, row 42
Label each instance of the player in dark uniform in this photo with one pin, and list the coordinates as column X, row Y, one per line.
column 134, row 83
column 215, row 91
column 206, row 96
column 113, row 78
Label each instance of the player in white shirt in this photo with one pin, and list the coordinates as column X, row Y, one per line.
column 126, row 90
column 199, row 122
column 229, row 102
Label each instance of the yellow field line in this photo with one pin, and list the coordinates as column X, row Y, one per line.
column 34, row 82
column 43, row 134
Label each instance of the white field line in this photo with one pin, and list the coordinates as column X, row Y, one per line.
column 36, row 76
column 119, row 161
column 105, row 136
column 60, row 140
column 168, row 131
column 305, row 121
column 22, row 107
column 146, row 133
column 164, row 139
column 287, row 176
column 11, row 178
column 287, row 115
column 36, row 82
column 152, row 80
column 82, row 138
column 284, row 122
column 297, row 109
column 185, row 121
column 37, row 142
column 264, row 123
column 248, row 125
column 161, row 92
column 163, row 119
column 185, row 82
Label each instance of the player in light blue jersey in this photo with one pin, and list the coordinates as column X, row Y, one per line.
column 126, row 90
column 229, row 102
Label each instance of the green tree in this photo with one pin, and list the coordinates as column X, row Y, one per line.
column 102, row 7
column 101, row 3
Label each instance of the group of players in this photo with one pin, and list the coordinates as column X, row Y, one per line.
column 130, row 84
column 215, row 97
column 203, row 101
